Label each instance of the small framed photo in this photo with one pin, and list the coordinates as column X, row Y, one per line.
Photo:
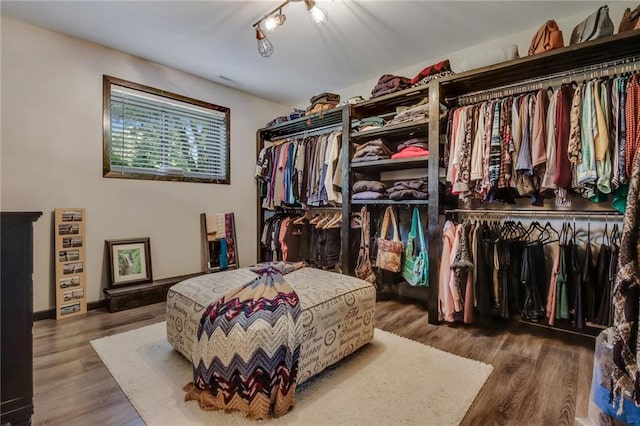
column 68, row 255
column 69, row 281
column 72, row 268
column 70, row 308
column 68, row 228
column 73, row 294
column 129, row 261
column 68, row 242
column 72, row 215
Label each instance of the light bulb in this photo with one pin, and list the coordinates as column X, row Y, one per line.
column 318, row 16
column 265, row 48
column 270, row 24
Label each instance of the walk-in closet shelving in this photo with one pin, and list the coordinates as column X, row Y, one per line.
column 390, row 165
column 592, row 59
column 424, row 167
column 603, row 57
column 334, row 119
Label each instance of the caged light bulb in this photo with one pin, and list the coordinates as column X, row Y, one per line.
column 319, row 16
column 265, row 48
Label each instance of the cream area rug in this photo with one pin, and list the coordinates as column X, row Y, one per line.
column 390, row 381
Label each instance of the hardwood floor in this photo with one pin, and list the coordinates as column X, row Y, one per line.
column 538, row 378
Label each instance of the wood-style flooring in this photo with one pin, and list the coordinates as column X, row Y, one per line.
column 538, row 378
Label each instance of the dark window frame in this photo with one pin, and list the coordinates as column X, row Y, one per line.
column 107, row 171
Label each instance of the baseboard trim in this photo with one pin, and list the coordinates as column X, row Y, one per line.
column 51, row 313
column 103, row 303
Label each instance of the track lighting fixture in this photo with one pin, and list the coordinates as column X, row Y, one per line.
column 265, row 48
column 276, row 18
column 273, row 21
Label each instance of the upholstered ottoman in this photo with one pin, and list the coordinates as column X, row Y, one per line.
column 337, row 313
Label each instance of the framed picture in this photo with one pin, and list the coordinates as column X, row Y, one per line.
column 129, row 261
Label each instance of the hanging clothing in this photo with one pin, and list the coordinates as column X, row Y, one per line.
column 626, row 294
column 576, row 139
column 533, row 278
column 301, row 172
column 447, row 292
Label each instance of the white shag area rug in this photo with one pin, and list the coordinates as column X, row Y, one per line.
column 390, row 381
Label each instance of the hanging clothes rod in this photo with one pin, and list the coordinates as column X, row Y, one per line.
column 574, row 214
column 300, row 209
column 313, row 132
column 588, row 73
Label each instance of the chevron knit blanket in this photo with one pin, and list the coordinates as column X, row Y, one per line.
column 247, row 349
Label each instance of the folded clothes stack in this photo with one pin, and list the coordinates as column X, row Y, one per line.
column 351, row 101
column 416, row 147
column 417, row 189
column 370, row 123
column 432, row 72
column 390, row 83
column 414, row 113
column 323, row 102
column 370, row 151
column 296, row 113
column 369, row 190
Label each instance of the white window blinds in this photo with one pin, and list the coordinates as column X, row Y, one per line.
column 161, row 136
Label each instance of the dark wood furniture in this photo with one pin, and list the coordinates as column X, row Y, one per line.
column 122, row 298
column 16, row 294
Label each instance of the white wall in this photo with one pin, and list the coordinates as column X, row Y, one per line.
column 51, row 151
column 522, row 39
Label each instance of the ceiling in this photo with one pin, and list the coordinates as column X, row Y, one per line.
column 362, row 40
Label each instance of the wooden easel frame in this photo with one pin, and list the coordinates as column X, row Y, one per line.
column 208, row 264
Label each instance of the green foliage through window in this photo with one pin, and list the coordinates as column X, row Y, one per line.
column 151, row 134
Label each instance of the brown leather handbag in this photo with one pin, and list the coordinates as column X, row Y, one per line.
column 630, row 20
column 547, row 38
column 389, row 251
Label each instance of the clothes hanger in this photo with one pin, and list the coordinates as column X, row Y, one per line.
column 300, row 220
column 335, row 222
column 615, row 235
column 550, row 229
column 325, row 219
column 316, row 218
column 605, row 234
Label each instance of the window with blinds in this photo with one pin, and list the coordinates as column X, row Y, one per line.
column 157, row 135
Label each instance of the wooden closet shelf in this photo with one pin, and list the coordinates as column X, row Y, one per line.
column 390, row 202
column 409, row 129
column 391, row 164
column 569, row 58
column 332, row 117
column 388, row 103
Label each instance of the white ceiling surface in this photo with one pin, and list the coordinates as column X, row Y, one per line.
column 362, row 40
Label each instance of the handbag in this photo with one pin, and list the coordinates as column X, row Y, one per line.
column 547, row 38
column 364, row 271
column 389, row 251
column 415, row 268
column 630, row 20
column 597, row 25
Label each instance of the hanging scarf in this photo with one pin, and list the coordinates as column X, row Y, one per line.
column 626, row 297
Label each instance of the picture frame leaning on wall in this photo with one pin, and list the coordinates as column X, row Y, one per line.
column 129, row 261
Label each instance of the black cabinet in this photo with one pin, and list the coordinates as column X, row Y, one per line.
column 16, row 301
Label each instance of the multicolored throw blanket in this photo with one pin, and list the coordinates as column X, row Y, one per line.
column 248, row 345
column 626, row 300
